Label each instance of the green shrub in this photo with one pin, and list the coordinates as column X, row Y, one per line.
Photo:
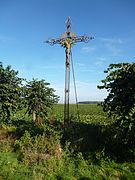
column 38, row 148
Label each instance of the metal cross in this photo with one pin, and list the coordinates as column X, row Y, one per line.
column 67, row 40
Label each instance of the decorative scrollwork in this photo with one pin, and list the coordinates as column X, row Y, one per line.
column 68, row 38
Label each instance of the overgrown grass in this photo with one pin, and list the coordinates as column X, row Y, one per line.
column 67, row 167
column 31, row 151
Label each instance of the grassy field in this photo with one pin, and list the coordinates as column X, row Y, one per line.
column 88, row 113
column 37, row 151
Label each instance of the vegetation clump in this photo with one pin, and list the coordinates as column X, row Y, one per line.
column 39, row 98
column 10, row 91
column 120, row 105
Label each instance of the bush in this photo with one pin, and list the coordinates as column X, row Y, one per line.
column 120, row 102
column 38, row 148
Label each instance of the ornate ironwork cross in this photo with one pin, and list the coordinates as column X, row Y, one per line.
column 67, row 40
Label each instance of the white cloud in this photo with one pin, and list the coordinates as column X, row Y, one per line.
column 113, row 45
column 83, row 68
column 80, row 64
column 87, row 70
column 112, row 40
column 88, row 49
column 115, row 51
column 100, row 61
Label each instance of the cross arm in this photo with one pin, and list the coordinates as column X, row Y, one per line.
column 82, row 39
column 74, row 39
column 53, row 41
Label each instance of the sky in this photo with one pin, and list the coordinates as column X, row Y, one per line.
column 24, row 25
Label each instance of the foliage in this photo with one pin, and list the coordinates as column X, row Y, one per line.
column 39, row 97
column 33, row 155
column 68, row 167
column 120, row 83
column 38, row 148
column 120, row 104
column 11, row 168
column 10, row 91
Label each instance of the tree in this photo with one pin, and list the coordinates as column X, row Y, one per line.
column 10, row 90
column 120, row 102
column 40, row 98
column 120, row 83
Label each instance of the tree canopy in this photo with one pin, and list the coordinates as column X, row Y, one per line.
column 120, row 102
column 120, row 83
column 39, row 98
column 10, row 90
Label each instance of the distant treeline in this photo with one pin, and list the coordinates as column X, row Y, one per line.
column 89, row 102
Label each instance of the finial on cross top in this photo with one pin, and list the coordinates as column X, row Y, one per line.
column 68, row 25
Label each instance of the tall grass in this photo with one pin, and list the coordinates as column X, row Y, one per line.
column 30, row 151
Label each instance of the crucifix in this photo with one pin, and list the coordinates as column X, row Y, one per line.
column 67, row 40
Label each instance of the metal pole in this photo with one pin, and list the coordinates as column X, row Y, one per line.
column 67, row 87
